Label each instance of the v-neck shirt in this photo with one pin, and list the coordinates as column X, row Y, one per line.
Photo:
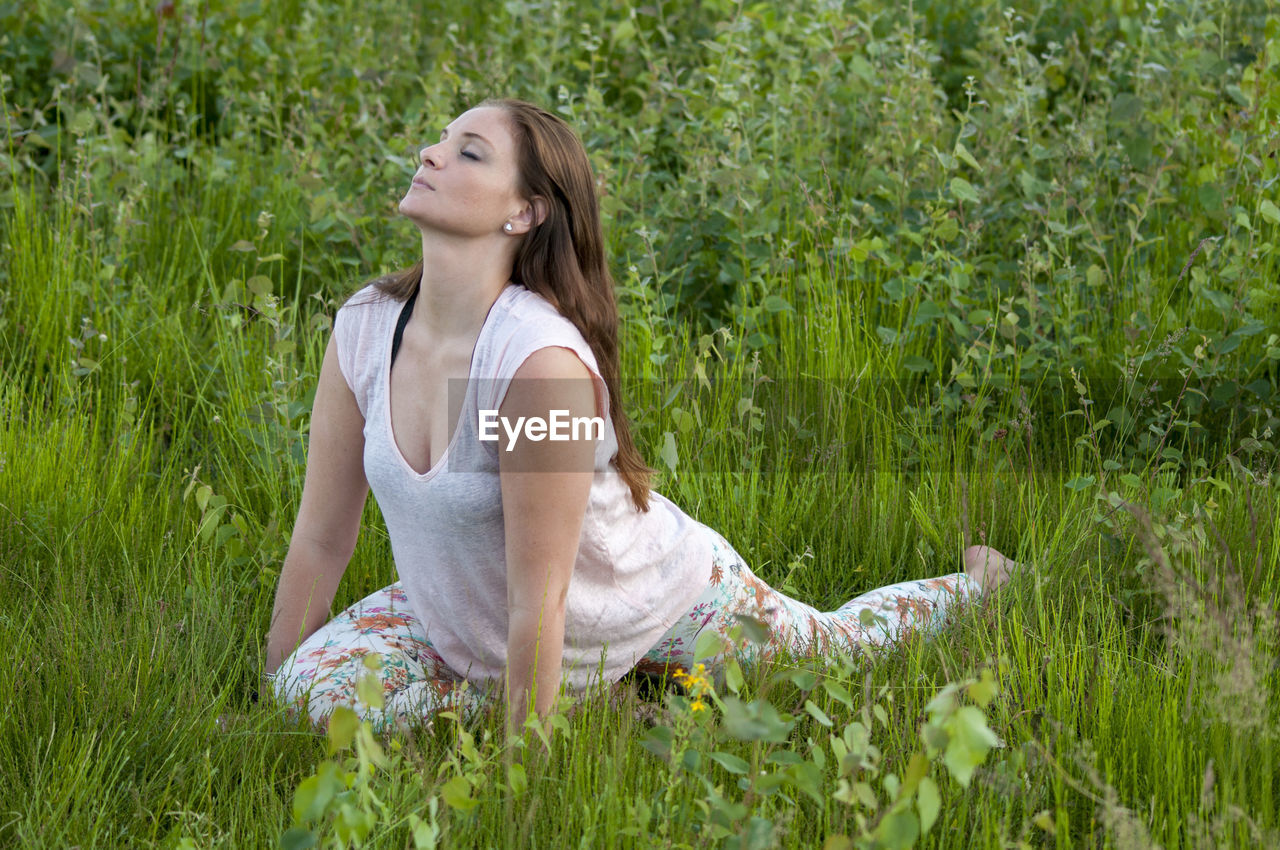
column 636, row 573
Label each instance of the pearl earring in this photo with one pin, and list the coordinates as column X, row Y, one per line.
column 507, row 227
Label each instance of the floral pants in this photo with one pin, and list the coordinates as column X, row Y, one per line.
column 417, row 683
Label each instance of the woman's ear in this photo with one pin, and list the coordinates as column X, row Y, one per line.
column 533, row 214
column 538, row 204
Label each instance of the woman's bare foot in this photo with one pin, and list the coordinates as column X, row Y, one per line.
column 988, row 567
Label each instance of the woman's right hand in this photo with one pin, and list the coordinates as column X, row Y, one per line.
column 324, row 535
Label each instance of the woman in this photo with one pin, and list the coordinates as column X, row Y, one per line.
column 525, row 562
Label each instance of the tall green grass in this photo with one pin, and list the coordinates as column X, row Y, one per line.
column 887, row 355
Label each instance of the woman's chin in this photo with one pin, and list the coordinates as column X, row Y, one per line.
column 408, row 209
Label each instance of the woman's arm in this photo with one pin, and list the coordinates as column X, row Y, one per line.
column 545, row 487
column 324, row 536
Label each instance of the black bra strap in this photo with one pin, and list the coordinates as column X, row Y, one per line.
column 405, row 312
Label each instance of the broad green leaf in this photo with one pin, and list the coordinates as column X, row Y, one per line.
column 733, row 675
column 806, row 776
column 668, row 453
column 1126, row 108
column 1220, row 300
column 970, row 741
column 1210, row 197
column 658, row 741
column 805, row 680
column 82, row 123
column 730, row 762
column 838, row 692
column 917, row 769
column 983, row 690
column 916, row 363
column 259, row 284
column 753, row 628
column 708, row 645
column 426, row 834
column 297, row 838
column 776, row 304
column 343, row 724
column 1131, row 480
column 868, row 619
column 305, row 808
column 769, row 783
column 369, row 746
column 935, row 737
column 898, row 830
column 317, row 791
column 927, row 312
column 1269, row 211
column 759, row 834
column 817, row 713
column 963, row 153
column 943, row 702
column 1032, row 186
column 964, row 191
column 947, row 229
column 624, row 31
column 457, row 794
column 757, row 720
column 928, row 803
column 369, row 689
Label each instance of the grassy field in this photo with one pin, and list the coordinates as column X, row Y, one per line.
column 894, row 278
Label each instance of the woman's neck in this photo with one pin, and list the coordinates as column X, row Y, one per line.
column 460, row 281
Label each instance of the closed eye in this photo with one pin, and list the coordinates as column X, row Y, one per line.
column 470, row 155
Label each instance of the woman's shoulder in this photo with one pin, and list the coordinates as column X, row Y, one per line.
column 526, row 322
column 529, row 314
column 361, row 334
column 369, row 295
column 365, row 312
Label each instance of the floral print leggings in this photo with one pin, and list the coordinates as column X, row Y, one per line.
column 417, row 683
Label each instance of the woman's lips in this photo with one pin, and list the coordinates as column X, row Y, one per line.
column 418, row 181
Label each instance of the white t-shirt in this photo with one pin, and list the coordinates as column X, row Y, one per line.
column 636, row 572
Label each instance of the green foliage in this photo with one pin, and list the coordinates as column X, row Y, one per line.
column 893, row 278
column 337, row 806
column 745, row 796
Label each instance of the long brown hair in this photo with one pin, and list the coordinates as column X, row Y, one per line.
column 562, row 258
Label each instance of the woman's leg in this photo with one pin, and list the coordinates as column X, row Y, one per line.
column 873, row 619
column 416, row 683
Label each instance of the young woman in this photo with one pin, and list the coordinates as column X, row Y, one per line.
column 525, row 562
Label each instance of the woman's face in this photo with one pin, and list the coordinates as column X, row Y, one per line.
column 465, row 184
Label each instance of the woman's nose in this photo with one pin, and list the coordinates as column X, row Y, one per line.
column 428, row 157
